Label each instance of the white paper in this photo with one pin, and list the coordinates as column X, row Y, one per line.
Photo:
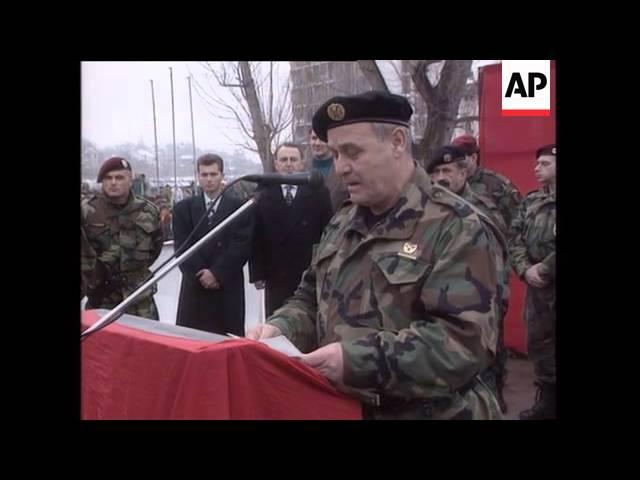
column 283, row 345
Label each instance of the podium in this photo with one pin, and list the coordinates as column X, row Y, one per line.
column 140, row 369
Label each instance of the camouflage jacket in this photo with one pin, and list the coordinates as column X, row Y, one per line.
column 488, row 206
column 414, row 301
column 119, row 244
column 532, row 237
column 498, row 188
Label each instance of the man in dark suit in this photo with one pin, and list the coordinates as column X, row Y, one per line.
column 212, row 290
column 289, row 221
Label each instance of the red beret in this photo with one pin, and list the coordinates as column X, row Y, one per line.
column 114, row 163
column 467, row 143
column 547, row 150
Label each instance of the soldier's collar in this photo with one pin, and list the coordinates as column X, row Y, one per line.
column 401, row 219
column 475, row 174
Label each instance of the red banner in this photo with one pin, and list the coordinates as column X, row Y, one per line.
column 507, row 146
column 128, row 373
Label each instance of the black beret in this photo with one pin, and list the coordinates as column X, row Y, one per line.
column 374, row 106
column 546, row 150
column 446, row 154
column 114, row 163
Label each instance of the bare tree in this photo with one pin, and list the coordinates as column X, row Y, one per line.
column 258, row 105
column 373, row 75
column 442, row 92
column 442, row 85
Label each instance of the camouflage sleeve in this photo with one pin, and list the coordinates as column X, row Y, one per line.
column 88, row 256
column 296, row 319
column 517, row 246
column 452, row 341
column 548, row 268
column 156, row 233
column 510, row 202
column 87, row 261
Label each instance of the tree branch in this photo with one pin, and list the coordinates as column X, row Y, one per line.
column 421, row 80
column 470, row 118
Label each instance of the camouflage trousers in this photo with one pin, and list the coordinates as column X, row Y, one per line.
column 145, row 306
column 540, row 319
column 499, row 366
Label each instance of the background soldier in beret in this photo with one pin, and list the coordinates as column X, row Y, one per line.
column 448, row 167
column 121, row 238
column 488, row 183
column 533, row 256
column 399, row 305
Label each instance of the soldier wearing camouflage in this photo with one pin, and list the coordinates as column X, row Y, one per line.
column 532, row 247
column 400, row 306
column 487, row 183
column 448, row 167
column 121, row 238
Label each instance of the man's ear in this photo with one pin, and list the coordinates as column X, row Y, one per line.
column 400, row 140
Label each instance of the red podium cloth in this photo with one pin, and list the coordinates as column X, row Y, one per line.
column 129, row 373
column 508, row 146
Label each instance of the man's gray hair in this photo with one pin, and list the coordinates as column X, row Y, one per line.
column 383, row 130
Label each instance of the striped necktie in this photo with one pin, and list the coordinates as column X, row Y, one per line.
column 288, row 196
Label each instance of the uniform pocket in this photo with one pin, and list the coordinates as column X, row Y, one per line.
column 400, row 270
column 145, row 226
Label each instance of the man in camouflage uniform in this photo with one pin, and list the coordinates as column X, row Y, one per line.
column 532, row 245
column 488, row 183
column 121, row 238
column 400, row 305
column 448, row 167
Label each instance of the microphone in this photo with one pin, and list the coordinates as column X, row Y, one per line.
column 313, row 179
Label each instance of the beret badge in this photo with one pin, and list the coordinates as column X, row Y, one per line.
column 335, row 112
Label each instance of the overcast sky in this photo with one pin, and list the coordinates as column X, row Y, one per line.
column 117, row 106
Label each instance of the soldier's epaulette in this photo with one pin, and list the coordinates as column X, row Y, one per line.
column 533, row 193
column 487, row 202
column 491, row 173
column 346, row 203
column 443, row 196
column 149, row 203
column 144, row 203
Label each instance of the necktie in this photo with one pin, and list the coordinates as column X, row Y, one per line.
column 288, row 196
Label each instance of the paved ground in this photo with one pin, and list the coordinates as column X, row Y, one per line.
column 519, row 391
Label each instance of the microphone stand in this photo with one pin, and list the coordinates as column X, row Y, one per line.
column 119, row 309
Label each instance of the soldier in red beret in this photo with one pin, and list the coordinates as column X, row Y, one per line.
column 121, row 240
column 488, row 183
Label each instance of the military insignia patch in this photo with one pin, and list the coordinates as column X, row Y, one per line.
column 447, row 158
column 409, row 247
column 553, row 151
column 336, row 112
column 124, row 163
